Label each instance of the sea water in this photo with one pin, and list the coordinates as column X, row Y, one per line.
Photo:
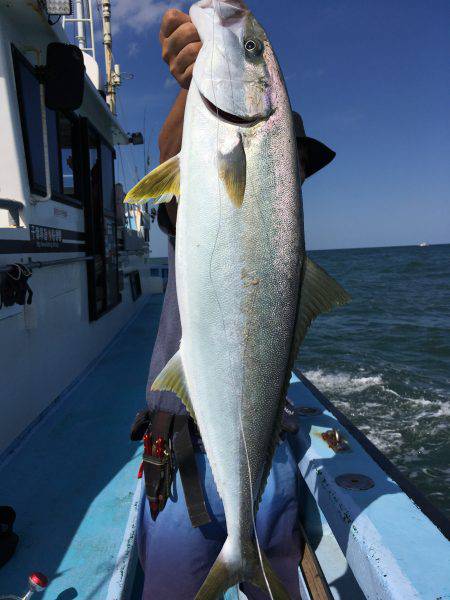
column 384, row 359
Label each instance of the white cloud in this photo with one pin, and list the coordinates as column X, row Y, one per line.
column 169, row 83
column 133, row 49
column 140, row 15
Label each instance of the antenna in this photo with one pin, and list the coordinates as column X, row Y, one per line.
column 83, row 18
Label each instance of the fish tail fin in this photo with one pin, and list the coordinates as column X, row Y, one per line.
column 267, row 580
column 230, row 570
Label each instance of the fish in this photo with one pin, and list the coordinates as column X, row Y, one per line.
column 247, row 291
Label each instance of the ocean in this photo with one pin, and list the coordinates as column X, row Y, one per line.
column 384, row 359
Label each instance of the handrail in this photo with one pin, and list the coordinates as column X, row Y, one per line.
column 40, row 264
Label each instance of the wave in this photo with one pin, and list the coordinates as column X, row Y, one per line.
column 342, row 382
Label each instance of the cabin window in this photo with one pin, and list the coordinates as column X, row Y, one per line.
column 103, row 272
column 63, row 139
column 30, row 112
column 64, row 152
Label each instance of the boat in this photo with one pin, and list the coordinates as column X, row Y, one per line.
column 75, row 363
column 424, row 245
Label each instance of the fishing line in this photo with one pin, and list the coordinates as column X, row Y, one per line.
column 220, row 198
column 250, row 483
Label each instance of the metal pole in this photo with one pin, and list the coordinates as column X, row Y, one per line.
column 91, row 25
column 81, row 33
column 107, row 42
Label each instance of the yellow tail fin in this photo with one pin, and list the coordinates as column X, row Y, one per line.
column 227, row 572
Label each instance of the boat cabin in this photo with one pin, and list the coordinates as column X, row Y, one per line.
column 61, row 217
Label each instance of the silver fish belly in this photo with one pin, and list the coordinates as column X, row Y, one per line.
column 238, row 276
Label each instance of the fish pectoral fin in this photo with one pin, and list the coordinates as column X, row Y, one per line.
column 233, row 172
column 165, row 199
column 173, row 379
column 162, row 181
column 320, row 293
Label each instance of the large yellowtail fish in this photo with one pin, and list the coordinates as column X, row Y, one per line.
column 246, row 290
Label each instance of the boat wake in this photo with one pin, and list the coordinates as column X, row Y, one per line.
column 342, row 383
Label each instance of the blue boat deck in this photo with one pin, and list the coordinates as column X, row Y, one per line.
column 72, row 479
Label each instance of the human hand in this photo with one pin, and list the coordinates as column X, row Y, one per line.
column 180, row 44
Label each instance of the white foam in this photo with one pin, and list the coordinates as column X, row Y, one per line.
column 384, row 420
column 342, row 382
column 385, row 440
column 420, row 401
column 443, row 411
column 433, row 409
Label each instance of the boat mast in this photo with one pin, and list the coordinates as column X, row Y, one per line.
column 83, row 17
column 112, row 71
column 81, row 33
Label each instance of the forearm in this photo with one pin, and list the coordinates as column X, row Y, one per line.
column 172, row 131
column 170, row 139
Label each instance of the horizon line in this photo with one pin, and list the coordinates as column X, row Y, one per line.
column 378, row 247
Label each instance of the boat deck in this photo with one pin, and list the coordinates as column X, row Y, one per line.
column 72, row 478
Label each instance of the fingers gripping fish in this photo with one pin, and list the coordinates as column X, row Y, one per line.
column 246, row 290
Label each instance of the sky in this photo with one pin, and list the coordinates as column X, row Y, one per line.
column 371, row 81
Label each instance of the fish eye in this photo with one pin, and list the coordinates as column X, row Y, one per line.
column 253, row 47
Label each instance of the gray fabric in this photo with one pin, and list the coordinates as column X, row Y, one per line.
column 169, row 332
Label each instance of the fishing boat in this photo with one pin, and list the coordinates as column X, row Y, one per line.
column 75, row 362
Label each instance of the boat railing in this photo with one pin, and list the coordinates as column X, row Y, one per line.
column 41, row 264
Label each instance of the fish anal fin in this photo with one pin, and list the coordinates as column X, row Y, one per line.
column 173, row 379
column 165, row 179
column 232, row 165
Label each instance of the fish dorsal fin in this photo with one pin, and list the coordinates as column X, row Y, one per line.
column 165, row 179
column 173, row 379
column 233, row 171
column 319, row 293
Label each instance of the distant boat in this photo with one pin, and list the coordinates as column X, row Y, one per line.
column 424, row 245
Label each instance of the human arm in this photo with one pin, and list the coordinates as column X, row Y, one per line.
column 180, row 45
column 170, row 142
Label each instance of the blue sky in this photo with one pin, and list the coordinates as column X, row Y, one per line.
column 371, row 81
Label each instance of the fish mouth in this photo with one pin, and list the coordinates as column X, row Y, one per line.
column 229, row 117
